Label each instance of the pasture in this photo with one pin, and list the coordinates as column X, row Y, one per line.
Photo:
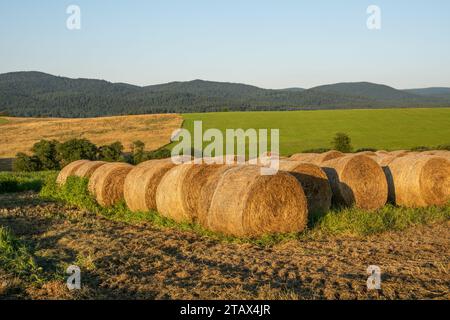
column 390, row 129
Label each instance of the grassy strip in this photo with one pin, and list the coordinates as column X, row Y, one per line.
column 23, row 181
column 16, row 258
column 351, row 222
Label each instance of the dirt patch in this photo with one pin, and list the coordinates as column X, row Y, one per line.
column 125, row 261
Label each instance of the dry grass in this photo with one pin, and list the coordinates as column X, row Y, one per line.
column 19, row 134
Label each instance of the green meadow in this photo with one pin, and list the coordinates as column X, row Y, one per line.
column 390, row 129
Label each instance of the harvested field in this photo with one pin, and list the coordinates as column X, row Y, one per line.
column 19, row 134
column 173, row 264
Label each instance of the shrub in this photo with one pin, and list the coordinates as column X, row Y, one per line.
column 316, row 150
column 137, row 150
column 444, row 147
column 366, row 149
column 111, row 153
column 26, row 163
column 342, row 142
column 158, row 154
column 421, row 148
column 75, row 149
column 45, row 151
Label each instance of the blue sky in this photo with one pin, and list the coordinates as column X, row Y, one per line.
column 271, row 44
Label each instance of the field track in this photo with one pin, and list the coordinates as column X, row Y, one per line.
column 120, row 260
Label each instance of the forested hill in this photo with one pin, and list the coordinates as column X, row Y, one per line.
column 40, row 94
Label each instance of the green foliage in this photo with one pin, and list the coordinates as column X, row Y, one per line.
column 137, row 151
column 157, row 154
column 316, row 150
column 366, row 149
column 24, row 181
column 421, row 149
column 76, row 149
column 444, row 147
column 16, row 258
column 26, row 163
column 111, row 152
column 342, row 142
column 45, row 151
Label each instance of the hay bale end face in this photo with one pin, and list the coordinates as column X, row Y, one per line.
column 170, row 198
column 69, row 170
column 419, row 181
column 141, row 184
column 87, row 169
column 246, row 203
column 107, row 182
column 357, row 180
column 314, row 182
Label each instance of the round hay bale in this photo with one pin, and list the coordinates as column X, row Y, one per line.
column 141, row 184
column 440, row 153
column 314, row 182
column 87, row 169
column 106, row 183
column 69, row 170
column 170, row 199
column 399, row 153
column 246, row 203
column 198, row 189
column 304, row 157
column 317, row 158
column 357, row 180
column 419, row 181
column 367, row 153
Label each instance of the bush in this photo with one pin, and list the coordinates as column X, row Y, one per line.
column 420, row 149
column 342, row 142
column 316, row 150
column 75, row 149
column 45, row 151
column 444, row 147
column 25, row 163
column 111, row 153
column 137, row 150
column 23, row 181
column 158, row 154
column 366, row 149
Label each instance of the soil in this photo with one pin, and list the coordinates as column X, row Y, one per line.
column 123, row 261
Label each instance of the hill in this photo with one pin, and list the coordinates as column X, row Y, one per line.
column 37, row 94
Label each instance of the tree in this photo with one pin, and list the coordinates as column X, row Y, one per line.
column 75, row 149
column 137, row 149
column 23, row 162
column 342, row 142
column 45, row 151
column 111, row 152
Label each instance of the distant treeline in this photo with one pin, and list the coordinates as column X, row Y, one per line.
column 36, row 94
column 54, row 155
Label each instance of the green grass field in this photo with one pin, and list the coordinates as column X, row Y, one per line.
column 390, row 129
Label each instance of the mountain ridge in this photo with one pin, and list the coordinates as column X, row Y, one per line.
column 34, row 93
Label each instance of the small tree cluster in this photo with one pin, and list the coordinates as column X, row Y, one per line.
column 53, row 155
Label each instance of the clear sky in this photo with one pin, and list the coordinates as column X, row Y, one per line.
column 271, row 44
